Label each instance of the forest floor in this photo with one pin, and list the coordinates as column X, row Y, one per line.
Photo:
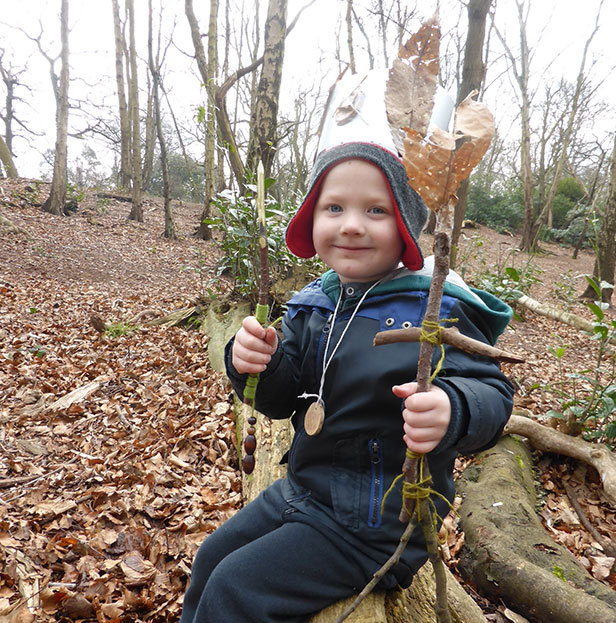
column 117, row 449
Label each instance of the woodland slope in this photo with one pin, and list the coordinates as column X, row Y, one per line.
column 117, row 449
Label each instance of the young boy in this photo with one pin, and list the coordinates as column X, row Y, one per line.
column 319, row 535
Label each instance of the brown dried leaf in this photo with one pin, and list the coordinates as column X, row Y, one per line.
column 409, row 95
column 137, row 570
column 601, row 566
column 433, row 168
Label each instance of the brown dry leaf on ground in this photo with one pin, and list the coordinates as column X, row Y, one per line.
column 117, row 454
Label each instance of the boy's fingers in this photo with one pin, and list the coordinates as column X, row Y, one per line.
column 405, row 390
column 254, row 327
column 271, row 337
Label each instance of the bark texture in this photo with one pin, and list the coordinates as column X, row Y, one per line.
column 57, row 195
column 473, row 72
column 136, row 212
column 509, row 555
column 7, row 159
column 154, row 65
column 218, row 93
column 264, row 135
column 545, row 309
column 210, row 128
column 124, row 175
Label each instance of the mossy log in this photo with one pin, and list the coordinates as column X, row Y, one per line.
column 509, row 555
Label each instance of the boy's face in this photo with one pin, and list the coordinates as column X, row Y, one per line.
column 354, row 224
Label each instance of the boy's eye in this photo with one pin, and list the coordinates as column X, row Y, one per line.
column 334, row 208
column 377, row 210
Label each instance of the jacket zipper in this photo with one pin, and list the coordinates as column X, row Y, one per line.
column 327, row 327
column 376, row 483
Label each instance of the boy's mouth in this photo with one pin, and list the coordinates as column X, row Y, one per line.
column 345, row 248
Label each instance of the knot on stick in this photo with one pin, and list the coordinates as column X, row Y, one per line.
column 432, row 332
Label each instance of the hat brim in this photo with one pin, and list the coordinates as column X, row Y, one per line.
column 299, row 230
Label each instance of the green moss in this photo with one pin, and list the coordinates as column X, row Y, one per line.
column 519, row 461
column 559, row 573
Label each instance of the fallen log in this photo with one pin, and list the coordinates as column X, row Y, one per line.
column 543, row 309
column 550, row 440
column 509, row 555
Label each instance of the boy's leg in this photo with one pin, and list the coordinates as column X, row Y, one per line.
column 282, row 576
column 255, row 519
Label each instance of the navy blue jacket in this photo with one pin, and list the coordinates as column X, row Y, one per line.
column 337, row 479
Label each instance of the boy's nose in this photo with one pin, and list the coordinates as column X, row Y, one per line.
column 352, row 224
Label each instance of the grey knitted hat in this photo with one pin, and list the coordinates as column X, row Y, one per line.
column 411, row 211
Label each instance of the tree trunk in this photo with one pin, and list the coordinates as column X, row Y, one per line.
column 7, row 159
column 510, row 556
column 473, row 73
column 528, row 232
column 124, row 174
column 10, row 80
column 349, row 25
column 57, row 195
column 264, row 135
column 136, row 213
column 205, row 232
column 545, row 309
column 150, row 141
column 222, row 117
column 603, row 271
column 155, row 71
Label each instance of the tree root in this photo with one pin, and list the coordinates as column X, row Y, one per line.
column 509, row 555
column 549, row 440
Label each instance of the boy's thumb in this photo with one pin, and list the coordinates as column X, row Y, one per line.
column 271, row 336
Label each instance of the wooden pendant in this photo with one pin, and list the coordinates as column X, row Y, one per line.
column 314, row 418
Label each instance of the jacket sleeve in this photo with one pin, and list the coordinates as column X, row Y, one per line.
column 278, row 384
column 481, row 396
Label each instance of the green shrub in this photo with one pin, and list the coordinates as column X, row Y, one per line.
column 588, row 397
column 237, row 221
column 501, row 212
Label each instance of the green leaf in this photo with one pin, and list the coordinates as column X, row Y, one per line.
column 593, row 284
column 596, row 310
column 513, row 273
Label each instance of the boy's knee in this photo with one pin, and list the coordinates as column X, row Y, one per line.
column 230, row 594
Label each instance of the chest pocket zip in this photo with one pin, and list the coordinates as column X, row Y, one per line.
column 376, row 483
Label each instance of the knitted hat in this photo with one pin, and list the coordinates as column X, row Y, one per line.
column 410, row 210
column 355, row 127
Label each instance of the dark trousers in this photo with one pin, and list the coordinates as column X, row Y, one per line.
column 266, row 565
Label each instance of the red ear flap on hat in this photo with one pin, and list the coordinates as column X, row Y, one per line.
column 411, row 212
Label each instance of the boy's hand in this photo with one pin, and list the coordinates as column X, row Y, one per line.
column 253, row 347
column 426, row 416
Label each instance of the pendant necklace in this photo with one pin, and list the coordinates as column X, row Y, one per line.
column 315, row 415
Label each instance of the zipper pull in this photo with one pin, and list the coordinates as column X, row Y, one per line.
column 375, row 456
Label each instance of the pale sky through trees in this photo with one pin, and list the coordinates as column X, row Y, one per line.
column 557, row 31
